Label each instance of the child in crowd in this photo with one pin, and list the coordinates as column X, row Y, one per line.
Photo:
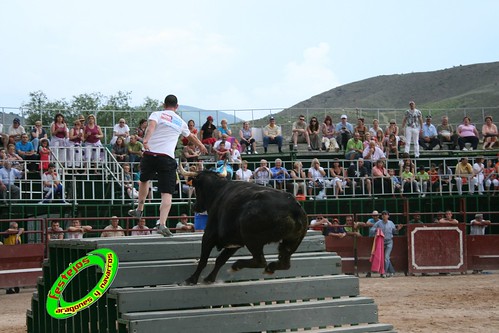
column 44, row 152
column 397, row 185
column 222, row 153
column 423, row 179
column 409, row 183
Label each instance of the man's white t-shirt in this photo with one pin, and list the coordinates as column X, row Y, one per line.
column 244, row 175
column 169, row 126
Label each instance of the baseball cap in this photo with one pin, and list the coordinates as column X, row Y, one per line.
column 209, row 118
column 375, row 212
column 16, row 120
column 344, row 116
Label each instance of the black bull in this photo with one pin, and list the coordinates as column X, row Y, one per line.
column 244, row 214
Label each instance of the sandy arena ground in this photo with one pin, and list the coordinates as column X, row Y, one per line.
column 437, row 304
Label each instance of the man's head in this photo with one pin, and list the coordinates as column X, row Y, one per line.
column 263, row 162
column 75, row 223
column 55, row 224
column 272, row 120
column 301, row 118
column 24, row 138
column 360, row 162
column 344, row 118
column 478, row 217
column 13, row 225
column 142, row 222
column 356, row 136
column 7, row 165
column 51, row 167
column 122, row 122
column 445, row 120
column 278, row 162
column 133, row 138
column 375, row 214
column 171, row 102
column 417, row 215
column 412, row 105
column 115, row 221
column 16, row 122
column 385, row 215
column 183, row 218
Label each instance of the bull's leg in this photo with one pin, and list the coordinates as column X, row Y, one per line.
column 206, row 247
column 286, row 248
column 221, row 260
column 258, row 260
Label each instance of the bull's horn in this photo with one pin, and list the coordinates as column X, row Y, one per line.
column 185, row 173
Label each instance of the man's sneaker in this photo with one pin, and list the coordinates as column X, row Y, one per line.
column 163, row 230
column 135, row 213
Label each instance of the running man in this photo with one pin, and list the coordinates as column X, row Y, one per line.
column 162, row 133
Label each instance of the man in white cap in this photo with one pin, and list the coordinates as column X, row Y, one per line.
column 478, row 225
column 344, row 130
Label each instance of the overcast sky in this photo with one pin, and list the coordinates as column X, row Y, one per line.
column 231, row 54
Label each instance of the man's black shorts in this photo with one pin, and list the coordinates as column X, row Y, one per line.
column 160, row 167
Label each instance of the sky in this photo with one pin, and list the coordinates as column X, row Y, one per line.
column 230, row 54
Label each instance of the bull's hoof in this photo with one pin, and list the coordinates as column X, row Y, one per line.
column 190, row 282
column 232, row 270
column 265, row 271
column 208, row 281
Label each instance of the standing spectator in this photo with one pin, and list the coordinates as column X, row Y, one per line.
column 413, row 122
column 244, row 174
column 375, row 217
column 140, row 229
column 158, row 162
column 489, row 132
column 478, row 225
column 183, row 225
column 55, row 231
column 448, row 218
column 207, row 133
column 192, row 128
column 76, row 230
column 15, row 131
column 262, row 174
column 361, row 128
column 248, row 143
column 135, row 150
column 272, row 134
column 389, row 229
column 464, row 175
column 344, row 131
column 59, row 132
column 27, row 152
column 52, row 186
column 316, row 176
column 120, row 150
column 141, row 129
column 300, row 133
column 75, row 143
column 357, row 175
column 313, row 131
column 279, row 174
column 37, row 133
column 467, row 134
column 92, row 136
column 8, row 188
column 329, row 135
column 354, row 148
column 13, row 238
column 113, row 229
column 120, row 130
column 429, row 139
column 44, row 153
column 479, row 175
column 446, row 134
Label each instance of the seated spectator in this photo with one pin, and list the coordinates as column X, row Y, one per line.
column 361, row 128
column 222, row 152
column 335, row 229
column 244, row 174
column 192, row 128
column 3, row 157
column 489, row 132
column 423, row 179
column 396, row 183
column 207, row 133
column 337, row 174
column 235, row 155
column 272, row 134
column 358, row 176
column 351, row 227
column 52, row 187
column 140, row 229
column 392, row 128
column 381, row 179
column 132, row 192
column 445, row 177
column 320, row 223
column 391, row 146
column 16, row 160
column 15, row 131
column 224, row 132
column 478, row 171
column 14, row 234
column 299, row 133
column 446, row 134
column 279, row 174
column 75, row 142
column 416, row 218
column 429, row 136
column 313, row 131
column 183, row 225
column 120, row 150
column 262, row 174
column 371, row 154
column 76, row 230
column 135, row 149
column 434, row 179
column 248, row 143
column 140, row 131
column 113, row 229
column 298, row 176
column 37, row 133
column 25, row 149
column 329, row 142
column 467, row 134
column 55, row 231
column 464, row 175
column 8, row 188
column 4, row 138
column 354, row 148
column 491, row 177
column 367, row 139
column 190, row 153
column 448, row 218
column 120, row 130
column 44, row 153
column 438, row 216
column 406, row 161
column 375, row 129
column 92, row 137
column 316, row 179
column 344, row 132
column 409, row 183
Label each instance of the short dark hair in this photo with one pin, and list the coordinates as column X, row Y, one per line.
column 170, row 101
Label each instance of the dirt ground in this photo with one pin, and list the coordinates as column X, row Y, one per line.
column 437, row 304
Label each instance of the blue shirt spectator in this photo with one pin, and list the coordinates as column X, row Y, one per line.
column 279, row 174
column 429, row 130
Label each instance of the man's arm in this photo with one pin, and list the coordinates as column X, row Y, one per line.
column 151, row 127
column 193, row 138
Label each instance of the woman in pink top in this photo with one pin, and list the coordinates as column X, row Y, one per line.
column 59, row 139
column 467, row 134
column 92, row 136
column 489, row 132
